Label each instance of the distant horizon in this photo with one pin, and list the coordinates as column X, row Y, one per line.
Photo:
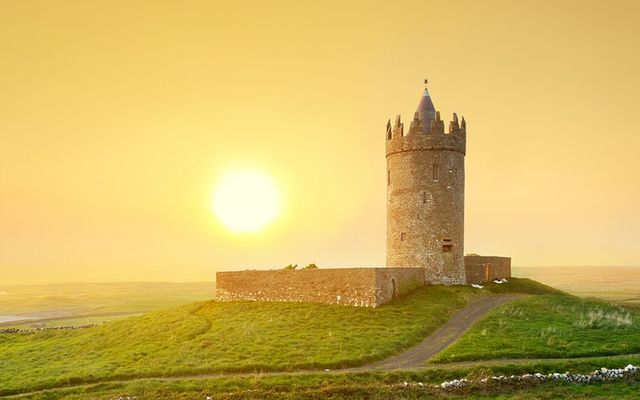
column 267, row 268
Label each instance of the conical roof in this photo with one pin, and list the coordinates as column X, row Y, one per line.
column 426, row 110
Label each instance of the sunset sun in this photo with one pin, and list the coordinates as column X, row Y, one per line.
column 246, row 201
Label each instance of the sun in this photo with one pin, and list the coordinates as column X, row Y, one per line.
column 245, row 201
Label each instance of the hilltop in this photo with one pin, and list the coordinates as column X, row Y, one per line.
column 254, row 337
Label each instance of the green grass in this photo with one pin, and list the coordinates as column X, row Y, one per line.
column 550, row 326
column 375, row 385
column 234, row 336
column 210, row 337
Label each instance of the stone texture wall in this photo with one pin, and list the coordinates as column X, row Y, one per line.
column 425, row 208
column 393, row 282
column 481, row 269
column 362, row 287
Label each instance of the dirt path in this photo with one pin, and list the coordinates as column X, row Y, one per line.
column 442, row 338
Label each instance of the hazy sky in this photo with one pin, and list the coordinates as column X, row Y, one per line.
column 117, row 118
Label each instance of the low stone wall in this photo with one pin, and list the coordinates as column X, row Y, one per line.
column 362, row 287
column 481, row 269
column 394, row 282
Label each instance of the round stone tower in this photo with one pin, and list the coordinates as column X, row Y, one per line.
column 425, row 194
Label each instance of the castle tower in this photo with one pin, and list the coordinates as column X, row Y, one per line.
column 425, row 194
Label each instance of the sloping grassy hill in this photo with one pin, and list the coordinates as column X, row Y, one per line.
column 550, row 326
column 210, row 337
column 238, row 336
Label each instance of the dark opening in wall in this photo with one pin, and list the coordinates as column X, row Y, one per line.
column 388, row 177
column 436, row 172
column 394, row 289
column 424, row 197
column 447, row 246
column 402, row 236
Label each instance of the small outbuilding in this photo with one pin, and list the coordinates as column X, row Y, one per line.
column 480, row 269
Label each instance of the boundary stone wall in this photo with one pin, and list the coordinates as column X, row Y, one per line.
column 361, row 287
column 481, row 269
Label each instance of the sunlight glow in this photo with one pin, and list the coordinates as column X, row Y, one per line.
column 246, row 200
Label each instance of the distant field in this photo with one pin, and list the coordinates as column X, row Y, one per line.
column 609, row 283
column 90, row 303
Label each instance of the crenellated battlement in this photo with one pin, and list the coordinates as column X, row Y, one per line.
column 426, row 134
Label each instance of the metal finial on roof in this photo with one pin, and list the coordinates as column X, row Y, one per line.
column 426, row 110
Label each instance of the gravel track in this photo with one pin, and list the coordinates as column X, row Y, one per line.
column 442, row 338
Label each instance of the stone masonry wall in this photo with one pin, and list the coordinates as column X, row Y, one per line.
column 406, row 280
column 362, row 287
column 481, row 269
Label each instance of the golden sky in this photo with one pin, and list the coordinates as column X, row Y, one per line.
column 117, row 118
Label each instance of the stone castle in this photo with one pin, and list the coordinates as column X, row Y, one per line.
column 425, row 194
column 425, row 228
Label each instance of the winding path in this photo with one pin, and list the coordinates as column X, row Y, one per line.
column 442, row 338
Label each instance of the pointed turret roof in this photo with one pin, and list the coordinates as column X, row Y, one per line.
column 426, row 110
